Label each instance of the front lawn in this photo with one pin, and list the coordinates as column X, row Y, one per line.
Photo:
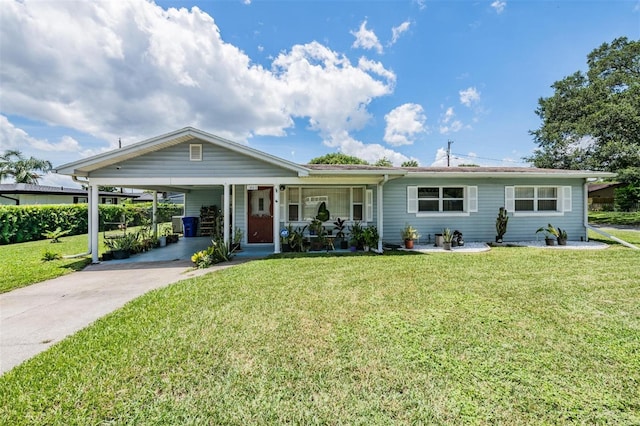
column 615, row 218
column 511, row 336
column 21, row 264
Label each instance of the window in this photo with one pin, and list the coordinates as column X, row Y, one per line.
column 538, row 199
column 442, row 199
column 349, row 203
column 195, row 152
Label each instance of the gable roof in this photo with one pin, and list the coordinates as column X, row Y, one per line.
column 26, row 188
column 85, row 166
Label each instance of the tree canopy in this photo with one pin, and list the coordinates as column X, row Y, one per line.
column 337, row 158
column 410, row 163
column 23, row 170
column 592, row 121
column 383, row 162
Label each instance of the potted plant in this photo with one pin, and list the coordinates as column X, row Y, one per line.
column 317, row 231
column 340, row 235
column 501, row 224
column 370, row 236
column 562, row 237
column 356, row 233
column 409, row 234
column 447, row 237
column 549, row 233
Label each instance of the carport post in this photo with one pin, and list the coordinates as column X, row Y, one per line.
column 89, row 224
column 154, row 219
column 225, row 216
column 94, row 223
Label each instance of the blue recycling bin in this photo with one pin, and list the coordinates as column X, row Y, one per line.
column 189, row 226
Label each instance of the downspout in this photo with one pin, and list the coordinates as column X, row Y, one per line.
column 599, row 231
column 384, row 180
column 88, row 252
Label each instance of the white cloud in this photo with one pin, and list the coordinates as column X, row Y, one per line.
column 133, row 69
column 368, row 152
column 12, row 137
column 448, row 124
column 441, row 159
column 396, row 32
column 499, row 6
column 636, row 8
column 404, row 123
column 366, row 39
column 421, row 3
column 469, row 96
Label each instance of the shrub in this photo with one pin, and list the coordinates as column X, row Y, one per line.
column 28, row 223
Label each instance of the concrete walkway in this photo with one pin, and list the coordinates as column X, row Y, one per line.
column 35, row 317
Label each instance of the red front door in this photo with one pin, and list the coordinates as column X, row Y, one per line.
column 260, row 215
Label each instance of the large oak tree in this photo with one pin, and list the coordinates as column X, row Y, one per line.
column 592, row 121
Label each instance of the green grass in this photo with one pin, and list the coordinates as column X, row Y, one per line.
column 615, row 218
column 512, row 336
column 22, row 263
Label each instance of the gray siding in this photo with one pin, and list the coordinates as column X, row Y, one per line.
column 479, row 226
column 213, row 196
column 174, row 162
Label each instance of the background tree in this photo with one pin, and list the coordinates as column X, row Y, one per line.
column 593, row 120
column 383, row 162
column 337, row 158
column 410, row 163
column 23, row 170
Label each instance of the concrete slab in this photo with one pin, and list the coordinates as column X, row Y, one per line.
column 35, row 317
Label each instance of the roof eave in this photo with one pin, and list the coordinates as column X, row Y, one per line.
column 576, row 175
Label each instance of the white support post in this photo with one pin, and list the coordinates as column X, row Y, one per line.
column 380, row 219
column 89, row 216
column 154, row 219
column 225, row 216
column 94, row 223
column 276, row 218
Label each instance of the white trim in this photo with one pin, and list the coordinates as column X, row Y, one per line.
column 548, row 213
column 443, row 214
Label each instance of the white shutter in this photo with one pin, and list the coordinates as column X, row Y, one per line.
column 566, row 198
column 412, row 199
column 510, row 198
column 472, row 199
column 368, row 215
column 283, row 205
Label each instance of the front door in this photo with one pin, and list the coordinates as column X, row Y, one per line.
column 260, row 211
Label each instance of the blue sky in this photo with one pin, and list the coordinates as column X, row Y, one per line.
column 296, row 79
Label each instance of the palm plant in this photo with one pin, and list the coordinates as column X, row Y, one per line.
column 23, row 170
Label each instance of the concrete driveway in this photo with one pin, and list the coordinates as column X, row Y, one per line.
column 35, row 317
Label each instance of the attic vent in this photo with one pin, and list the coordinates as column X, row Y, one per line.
column 195, row 152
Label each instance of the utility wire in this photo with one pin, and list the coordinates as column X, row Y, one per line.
column 488, row 159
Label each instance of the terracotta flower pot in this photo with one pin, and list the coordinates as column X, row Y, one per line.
column 408, row 244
